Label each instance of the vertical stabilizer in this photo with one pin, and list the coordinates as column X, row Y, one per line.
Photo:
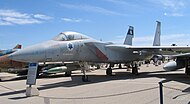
column 18, row 46
column 130, row 36
column 157, row 34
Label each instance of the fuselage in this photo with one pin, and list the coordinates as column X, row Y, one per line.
column 82, row 49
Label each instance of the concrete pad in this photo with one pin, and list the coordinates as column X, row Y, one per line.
column 122, row 88
column 7, row 76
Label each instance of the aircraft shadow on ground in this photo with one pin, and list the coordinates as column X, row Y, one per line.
column 76, row 80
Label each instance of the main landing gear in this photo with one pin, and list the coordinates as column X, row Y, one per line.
column 120, row 66
column 84, row 76
column 84, row 67
column 109, row 70
column 187, row 68
column 134, row 68
column 68, row 73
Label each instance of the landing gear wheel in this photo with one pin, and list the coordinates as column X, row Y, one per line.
column 39, row 70
column 120, row 67
column 85, row 78
column 187, row 70
column 159, row 63
column 109, row 71
column 38, row 73
column 68, row 74
column 135, row 70
column 140, row 63
column 98, row 66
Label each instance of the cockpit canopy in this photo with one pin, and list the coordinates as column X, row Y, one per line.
column 66, row 36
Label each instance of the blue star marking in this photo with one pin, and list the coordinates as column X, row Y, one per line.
column 70, row 46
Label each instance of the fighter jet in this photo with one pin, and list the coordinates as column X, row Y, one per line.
column 10, row 65
column 7, row 63
column 77, row 47
column 182, row 61
column 9, row 51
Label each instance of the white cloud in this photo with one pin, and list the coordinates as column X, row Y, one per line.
column 43, row 17
column 11, row 17
column 121, row 2
column 166, row 40
column 179, row 39
column 20, row 21
column 71, row 20
column 4, row 22
column 172, row 4
column 172, row 7
column 174, row 14
column 12, row 13
column 90, row 8
column 76, row 20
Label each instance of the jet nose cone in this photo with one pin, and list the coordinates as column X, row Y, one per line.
column 17, row 56
column 34, row 53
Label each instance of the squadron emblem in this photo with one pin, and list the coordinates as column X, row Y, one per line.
column 70, row 46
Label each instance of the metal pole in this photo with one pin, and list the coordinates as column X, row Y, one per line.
column 161, row 92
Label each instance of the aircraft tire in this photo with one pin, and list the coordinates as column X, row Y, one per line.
column 135, row 70
column 120, row 67
column 38, row 73
column 98, row 66
column 68, row 74
column 85, row 78
column 109, row 71
column 140, row 63
column 187, row 71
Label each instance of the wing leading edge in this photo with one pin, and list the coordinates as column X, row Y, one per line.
column 177, row 49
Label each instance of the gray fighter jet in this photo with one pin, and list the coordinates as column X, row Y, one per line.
column 77, row 47
column 182, row 61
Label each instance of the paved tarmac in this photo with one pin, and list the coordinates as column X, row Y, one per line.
column 121, row 88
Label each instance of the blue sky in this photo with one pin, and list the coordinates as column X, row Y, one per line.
column 31, row 21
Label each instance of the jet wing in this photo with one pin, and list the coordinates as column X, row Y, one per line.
column 182, row 55
column 177, row 49
column 174, row 48
column 94, row 47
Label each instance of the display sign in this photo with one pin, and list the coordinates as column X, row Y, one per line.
column 32, row 72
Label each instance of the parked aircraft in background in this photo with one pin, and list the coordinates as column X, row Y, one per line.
column 9, row 51
column 6, row 62
column 182, row 61
column 9, row 65
column 79, row 48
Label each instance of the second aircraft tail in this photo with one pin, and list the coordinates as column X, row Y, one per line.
column 157, row 34
column 18, row 46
